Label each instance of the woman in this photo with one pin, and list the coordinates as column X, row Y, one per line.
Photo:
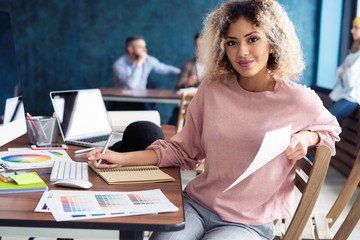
column 346, row 93
column 251, row 54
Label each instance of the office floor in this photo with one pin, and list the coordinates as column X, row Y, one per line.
column 332, row 187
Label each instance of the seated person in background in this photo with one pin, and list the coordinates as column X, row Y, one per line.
column 346, row 93
column 190, row 76
column 192, row 71
column 131, row 71
column 252, row 57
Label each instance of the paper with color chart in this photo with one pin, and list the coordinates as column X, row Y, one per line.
column 274, row 143
column 29, row 159
column 76, row 205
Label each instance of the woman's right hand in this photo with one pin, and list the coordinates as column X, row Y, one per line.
column 109, row 159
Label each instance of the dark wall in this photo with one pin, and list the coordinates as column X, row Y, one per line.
column 71, row 44
column 8, row 66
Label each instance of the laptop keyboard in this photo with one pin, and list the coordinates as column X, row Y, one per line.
column 69, row 169
column 94, row 139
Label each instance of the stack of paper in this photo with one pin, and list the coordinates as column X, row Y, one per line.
column 75, row 205
column 24, row 182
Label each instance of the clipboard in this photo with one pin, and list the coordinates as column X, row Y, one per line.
column 133, row 174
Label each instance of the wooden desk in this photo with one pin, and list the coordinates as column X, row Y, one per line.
column 145, row 95
column 18, row 209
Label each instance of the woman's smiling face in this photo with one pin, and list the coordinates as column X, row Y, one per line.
column 247, row 48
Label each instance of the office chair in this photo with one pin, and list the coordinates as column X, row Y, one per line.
column 170, row 130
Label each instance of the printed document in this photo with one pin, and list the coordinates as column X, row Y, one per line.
column 76, row 205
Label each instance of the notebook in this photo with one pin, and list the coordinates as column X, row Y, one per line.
column 134, row 174
column 82, row 117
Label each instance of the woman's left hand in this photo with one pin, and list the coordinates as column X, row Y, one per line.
column 299, row 144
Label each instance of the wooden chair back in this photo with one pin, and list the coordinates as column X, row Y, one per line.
column 346, row 161
column 323, row 223
column 186, row 98
column 350, row 221
column 347, row 192
column 309, row 180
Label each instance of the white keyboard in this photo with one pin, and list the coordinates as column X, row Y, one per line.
column 69, row 169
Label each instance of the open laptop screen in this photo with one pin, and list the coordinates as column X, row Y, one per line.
column 80, row 113
column 14, row 109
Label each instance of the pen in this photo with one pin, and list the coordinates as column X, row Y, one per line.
column 84, row 150
column 106, row 146
column 40, row 138
column 36, row 130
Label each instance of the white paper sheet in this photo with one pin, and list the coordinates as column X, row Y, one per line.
column 274, row 143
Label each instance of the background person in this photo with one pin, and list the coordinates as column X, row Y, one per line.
column 192, row 71
column 346, row 93
column 191, row 75
column 252, row 56
column 131, row 71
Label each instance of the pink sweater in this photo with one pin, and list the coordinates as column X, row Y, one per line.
column 225, row 126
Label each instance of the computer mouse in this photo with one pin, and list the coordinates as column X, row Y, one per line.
column 73, row 183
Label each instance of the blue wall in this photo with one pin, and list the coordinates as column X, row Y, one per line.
column 306, row 16
column 72, row 44
column 329, row 43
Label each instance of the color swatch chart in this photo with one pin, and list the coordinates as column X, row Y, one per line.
column 148, row 198
column 70, row 205
column 76, row 203
column 111, row 202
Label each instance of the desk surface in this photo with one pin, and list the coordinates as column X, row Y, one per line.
column 18, row 209
column 141, row 95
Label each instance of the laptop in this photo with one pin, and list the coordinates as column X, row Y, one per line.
column 14, row 109
column 82, row 118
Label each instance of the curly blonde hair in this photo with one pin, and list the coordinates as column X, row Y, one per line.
column 286, row 58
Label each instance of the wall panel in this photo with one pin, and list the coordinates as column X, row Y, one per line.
column 72, row 44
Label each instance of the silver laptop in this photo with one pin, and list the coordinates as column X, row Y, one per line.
column 82, row 117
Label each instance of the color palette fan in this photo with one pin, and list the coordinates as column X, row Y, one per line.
column 28, row 159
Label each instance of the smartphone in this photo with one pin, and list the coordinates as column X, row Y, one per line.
column 50, row 147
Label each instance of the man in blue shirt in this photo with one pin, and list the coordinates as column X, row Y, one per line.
column 131, row 71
